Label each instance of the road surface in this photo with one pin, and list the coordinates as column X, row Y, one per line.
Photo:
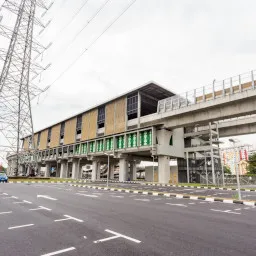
column 57, row 219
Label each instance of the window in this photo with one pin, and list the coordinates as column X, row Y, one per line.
column 132, row 106
column 49, row 135
column 38, row 139
column 62, row 130
column 79, row 125
column 101, row 117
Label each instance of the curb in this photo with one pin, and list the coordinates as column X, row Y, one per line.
column 40, row 181
column 205, row 187
column 180, row 196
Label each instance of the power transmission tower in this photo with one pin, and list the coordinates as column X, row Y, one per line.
column 17, row 88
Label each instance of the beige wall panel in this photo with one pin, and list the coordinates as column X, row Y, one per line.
column 93, row 124
column 25, row 143
column 70, row 131
column 55, row 137
column 120, row 115
column 85, row 126
column 43, row 140
column 35, row 139
column 110, row 118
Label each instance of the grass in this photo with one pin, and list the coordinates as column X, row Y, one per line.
column 39, row 179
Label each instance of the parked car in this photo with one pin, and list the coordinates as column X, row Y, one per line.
column 3, row 177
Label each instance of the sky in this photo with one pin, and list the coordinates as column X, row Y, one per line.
column 181, row 45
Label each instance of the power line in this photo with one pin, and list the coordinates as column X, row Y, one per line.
column 71, row 20
column 92, row 43
column 81, row 30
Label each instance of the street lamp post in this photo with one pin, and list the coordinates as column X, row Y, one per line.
column 108, row 166
column 237, row 175
column 153, row 178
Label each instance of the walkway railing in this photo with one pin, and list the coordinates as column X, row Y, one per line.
column 217, row 89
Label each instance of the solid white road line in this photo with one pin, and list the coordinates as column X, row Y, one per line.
column 2, row 213
column 40, row 208
column 116, row 235
column 226, row 211
column 181, row 205
column 86, row 195
column 69, row 218
column 22, row 226
column 60, row 251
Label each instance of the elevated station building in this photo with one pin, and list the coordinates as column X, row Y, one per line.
column 149, row 123
column 112, row 128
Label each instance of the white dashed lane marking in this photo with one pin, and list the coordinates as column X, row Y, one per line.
column 69, row 218
column 116, row 235
column 144, row 200
column 40, row 208
column 86, row 195
column 2, row 213
column 60, row 251
column 22, row 226
column 181, row 205
column 226, row 211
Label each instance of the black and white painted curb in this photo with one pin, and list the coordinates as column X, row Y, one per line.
column 179, row 196
column 169, row 185
column 39, row 181
column 191, row 186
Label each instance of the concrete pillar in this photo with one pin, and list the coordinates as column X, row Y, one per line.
column 47, row 170
column 75, row 169
column 94, row 170
column 112, row 171
column 163, row 169
column 21, row 169
column 58, row 170
column 64, row 169
column 123, row 170
column 133, row 170
column 28, row 170
column 98, row 171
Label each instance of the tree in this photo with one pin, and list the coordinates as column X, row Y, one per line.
column 226, row 169
column 251, row 168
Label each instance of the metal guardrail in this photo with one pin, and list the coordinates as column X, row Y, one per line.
column 217, row 89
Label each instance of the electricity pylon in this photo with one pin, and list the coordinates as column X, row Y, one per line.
column 17, row 88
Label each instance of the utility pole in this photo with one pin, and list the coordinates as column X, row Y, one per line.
column 17, row 88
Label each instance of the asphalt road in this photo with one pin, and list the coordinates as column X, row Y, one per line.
column 246, row 195
column 57, row 219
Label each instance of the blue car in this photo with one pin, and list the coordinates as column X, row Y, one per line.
column 3, row 177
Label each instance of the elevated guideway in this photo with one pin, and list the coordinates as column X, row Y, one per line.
column 229, row 98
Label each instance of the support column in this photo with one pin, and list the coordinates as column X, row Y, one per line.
column 123, row 170
column 28, row 170
column 98, row 171
column 64, row 169
column 133, row 170
column 163, row 169
column 112, row 171
column 22, row 169
column 94, row 170
column 47, row 170
column 187, row 159
column 75, row 169
column 58, row 170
